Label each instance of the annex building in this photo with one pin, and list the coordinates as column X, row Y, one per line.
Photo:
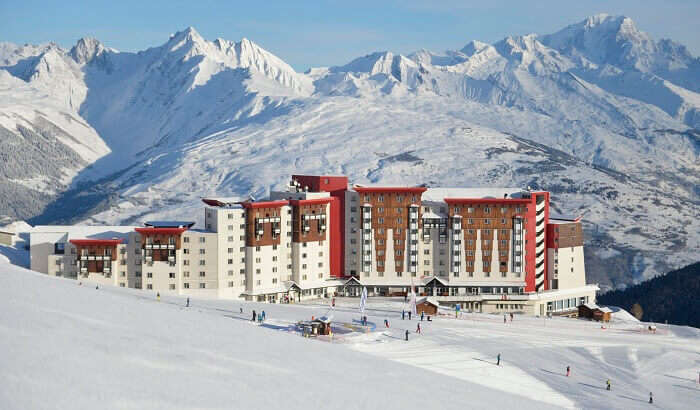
column 487, row 249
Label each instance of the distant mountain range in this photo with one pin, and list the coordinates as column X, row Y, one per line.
column 671, row 298
column 600, row 114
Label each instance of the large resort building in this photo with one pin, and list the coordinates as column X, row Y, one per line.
column 489, row 250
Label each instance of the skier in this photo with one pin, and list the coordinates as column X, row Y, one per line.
column 158, row 296
column 498, row 360
column 651, row 398
column 511, row 316
column 504, row 318
column 409, row 315
column 407, row 335
column 608, row 385
column 403, row 315
column 333, row 302
column 422, row 315
column 188, row 302
column 263, row 316
column 386, row 323
column 568, row 371
column 97, row 287
column 418, row 329
column 241, row 310
column 254, row 316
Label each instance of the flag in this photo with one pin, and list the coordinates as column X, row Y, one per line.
column 413, row 299
column 363, row 300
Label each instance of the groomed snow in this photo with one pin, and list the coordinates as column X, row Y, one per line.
column 63, row 345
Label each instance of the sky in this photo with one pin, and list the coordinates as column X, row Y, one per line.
column 330, row 32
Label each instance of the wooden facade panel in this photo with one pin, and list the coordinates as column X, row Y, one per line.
column 390, row 210
column 253, row 217
column 315, row 233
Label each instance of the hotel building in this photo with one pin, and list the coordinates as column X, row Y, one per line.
column 489, row 250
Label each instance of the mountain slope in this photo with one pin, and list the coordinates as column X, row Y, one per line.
column 668, row 298
column 610, row 133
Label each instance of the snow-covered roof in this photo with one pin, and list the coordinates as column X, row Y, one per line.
column 84, row 232
column 439, row 194
column 591, row 306
column 605, row 310
column 427, row 299
column 169, row 224
column 432, row 215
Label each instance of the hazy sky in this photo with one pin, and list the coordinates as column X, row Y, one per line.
column 310, row 34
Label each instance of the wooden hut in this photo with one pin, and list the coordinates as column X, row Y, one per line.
column 593, row 311
column 427, row 305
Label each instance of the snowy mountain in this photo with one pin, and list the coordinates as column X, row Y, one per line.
column 598, row 113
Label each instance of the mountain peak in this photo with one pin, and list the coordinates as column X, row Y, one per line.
column 187, row 36
column 86, row 49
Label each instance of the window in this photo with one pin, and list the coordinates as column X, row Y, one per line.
column 426, row 251
column 186, row 239
column 426, row 262
column 202, row 262
column 149, row 274
column 149, row 286
column 171, row 275
column 202, row 251
column 59, row 248
column 202, row 285
column 186, row 251
column 320, row 275
column 230, row 273
column 487, row 210
column 320, row 265
column 230, row 261
column 487, row 222
column 257, row 271
column 202, row 239
column 171, row 286
column 257, row 249
column 303, row 266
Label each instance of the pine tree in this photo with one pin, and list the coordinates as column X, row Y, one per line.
column 637, row 311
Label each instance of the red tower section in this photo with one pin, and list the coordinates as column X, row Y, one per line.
column 336, row 187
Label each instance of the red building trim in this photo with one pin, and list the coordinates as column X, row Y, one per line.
column 164, row 231
column 415, row 190
column 264, row 204
column 96, row 242
column 317, row 201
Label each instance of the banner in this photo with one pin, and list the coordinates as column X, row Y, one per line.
column 363, row 300
column 413, row 299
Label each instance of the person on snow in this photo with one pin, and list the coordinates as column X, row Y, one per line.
column 504, row 318
column 97, row 287
column 608, row 384
column 511, row 316
column 254, row 316
column 568, row 371
column 263, row 316
column 651, row 398
column 241, row 310
column 403, row 315
column 158, row 296
column 418, row 329
column 409, row 315
column 407, row 335
column 188, row 302
column 386, row 323
column 498, row 360
column 422, row 315
column 333, row 302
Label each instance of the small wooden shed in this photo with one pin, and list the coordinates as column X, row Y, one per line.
column 7, row 237
column 593, row 311
column 427, row 305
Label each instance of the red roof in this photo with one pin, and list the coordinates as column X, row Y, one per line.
column 96, row 242
column 415, row 189
column 265, row 204
column 316, row 201
column 165, row 231
column 487, row 201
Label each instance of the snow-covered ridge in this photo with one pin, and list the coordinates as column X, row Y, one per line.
column 598, row 113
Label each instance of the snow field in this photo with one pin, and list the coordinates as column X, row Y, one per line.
column 70, row 346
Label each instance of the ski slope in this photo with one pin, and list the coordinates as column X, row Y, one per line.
column 66, row 345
